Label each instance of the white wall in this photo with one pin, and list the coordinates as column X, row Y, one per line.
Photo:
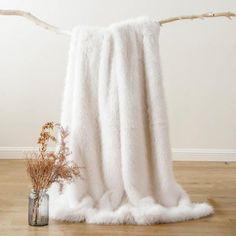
column 198, row 59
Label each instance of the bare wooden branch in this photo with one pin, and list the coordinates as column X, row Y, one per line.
column 229, row 15
column 35, row 20
column 50, row 27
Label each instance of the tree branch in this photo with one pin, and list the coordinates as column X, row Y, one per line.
column 229, row 15
column 35, row 20
column 47, row 26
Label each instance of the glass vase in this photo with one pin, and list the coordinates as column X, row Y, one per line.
column 38, row 209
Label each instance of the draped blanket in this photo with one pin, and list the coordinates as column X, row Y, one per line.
column 115, row 110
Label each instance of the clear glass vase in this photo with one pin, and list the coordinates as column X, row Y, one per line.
column 38, row 209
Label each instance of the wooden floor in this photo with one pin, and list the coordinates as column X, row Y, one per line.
column 204, row 181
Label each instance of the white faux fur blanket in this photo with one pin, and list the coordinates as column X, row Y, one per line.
column 115, row 110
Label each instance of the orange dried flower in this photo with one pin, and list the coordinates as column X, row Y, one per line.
column 45, row 168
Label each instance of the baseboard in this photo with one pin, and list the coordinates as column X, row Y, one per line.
column 16, row 152
column 178, row 154
column 200, row 154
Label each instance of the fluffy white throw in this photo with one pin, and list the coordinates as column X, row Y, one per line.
column 115, row 110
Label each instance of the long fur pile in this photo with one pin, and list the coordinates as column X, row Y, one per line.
column 115, row 109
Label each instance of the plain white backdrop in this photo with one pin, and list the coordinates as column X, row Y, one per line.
column 198, row 62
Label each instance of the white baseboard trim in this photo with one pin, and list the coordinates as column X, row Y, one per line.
column 200, row 154
column 16, row 152
column 178, row 154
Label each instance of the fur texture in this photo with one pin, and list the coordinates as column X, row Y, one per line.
column 115, row 109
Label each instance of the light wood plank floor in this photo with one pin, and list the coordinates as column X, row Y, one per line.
column 204, row 181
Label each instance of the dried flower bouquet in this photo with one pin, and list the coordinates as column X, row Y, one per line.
column 45, row 168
